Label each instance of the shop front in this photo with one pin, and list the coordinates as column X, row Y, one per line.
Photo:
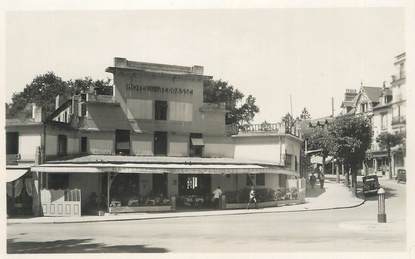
column 150, row 187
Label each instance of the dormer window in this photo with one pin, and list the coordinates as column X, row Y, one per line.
column 363, row 107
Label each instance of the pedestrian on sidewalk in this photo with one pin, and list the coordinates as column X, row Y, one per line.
column 252, row 198
column 216, row 196
column 312, row 180
column 322, row 177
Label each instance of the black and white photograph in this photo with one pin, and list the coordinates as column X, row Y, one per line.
column 202, row 130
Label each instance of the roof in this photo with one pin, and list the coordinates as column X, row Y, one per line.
column 22, row 122
column 347, row 103
column 373, row 93
column 114, row 159
column 105, row 117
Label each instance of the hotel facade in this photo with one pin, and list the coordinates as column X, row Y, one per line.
column 153, row 145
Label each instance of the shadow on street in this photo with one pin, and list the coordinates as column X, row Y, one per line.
column 315, row 192
column 75, row 246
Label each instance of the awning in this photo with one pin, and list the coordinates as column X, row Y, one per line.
column 161, row 168
column 14, row 174
column 197, row 142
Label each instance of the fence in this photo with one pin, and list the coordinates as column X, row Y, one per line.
column 59, row 203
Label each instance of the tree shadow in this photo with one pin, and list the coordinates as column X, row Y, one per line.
column 75, row 246
column 389, row 193
column 314, row 192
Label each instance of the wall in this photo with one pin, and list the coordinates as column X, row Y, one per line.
column 100, row 142
column 183, row 114
column 218, row 146
column 293, row 147
column 261, row 148
column 28, row 143
column 178, row 145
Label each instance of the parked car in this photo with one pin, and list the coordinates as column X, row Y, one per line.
column 370, row 184
column 401, row 175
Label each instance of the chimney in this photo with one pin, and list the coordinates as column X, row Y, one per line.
column 57, row 101
column 36, row 113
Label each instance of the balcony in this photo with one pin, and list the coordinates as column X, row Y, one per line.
column 263, row 128
column 96, row 98
column 398, row 120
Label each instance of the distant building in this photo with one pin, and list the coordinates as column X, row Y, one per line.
column 154, row 143
column 385, row 106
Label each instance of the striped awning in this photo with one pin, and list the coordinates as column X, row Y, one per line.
column 14, row 174
column 162, row 168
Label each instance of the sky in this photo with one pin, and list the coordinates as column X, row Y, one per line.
column 312, row 54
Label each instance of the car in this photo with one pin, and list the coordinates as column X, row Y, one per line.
column 401, row 175
column 370, row 184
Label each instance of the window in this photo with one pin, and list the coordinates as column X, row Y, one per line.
column 84, row 144
column 82, row 109
column 12, row 143
column 282, row 180
column 62, row 145
column 160, row 143
column 260, row 179
column 363, row 107
column 288, row 160
column 295, row 163
column 122, row 142
column 384, row 121
column 196, row 145
column 160, row 110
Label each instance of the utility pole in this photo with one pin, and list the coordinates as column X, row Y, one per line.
column 332, row 106
column 291, row 105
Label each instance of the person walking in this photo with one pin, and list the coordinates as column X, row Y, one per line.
column 322, row 177
column 252, row 198
column 216, row 196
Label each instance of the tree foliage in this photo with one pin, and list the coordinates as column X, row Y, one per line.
column 346, row 138
column 44, row 88
column 241, row 112
column 388, row 140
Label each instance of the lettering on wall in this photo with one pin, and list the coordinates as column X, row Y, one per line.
column 158, row 89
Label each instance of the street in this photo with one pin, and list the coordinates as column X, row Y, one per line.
column 354, row 230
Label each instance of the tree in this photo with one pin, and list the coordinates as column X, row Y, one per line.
column 305, row 115
column 386, row 141
column 352, row 137
column 42, row 91
column 240, row 112
column 44, row 88
column 322, row 141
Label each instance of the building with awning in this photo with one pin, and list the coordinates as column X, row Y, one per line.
column 153, row 143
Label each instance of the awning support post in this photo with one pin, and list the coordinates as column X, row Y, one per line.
column 108, row 190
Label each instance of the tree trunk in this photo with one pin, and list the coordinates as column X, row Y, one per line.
column 347, row 176
column 390, row 164
column 354, row 180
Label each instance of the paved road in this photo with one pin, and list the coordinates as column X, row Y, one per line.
column 336, row 230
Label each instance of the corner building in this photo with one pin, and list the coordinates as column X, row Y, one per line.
column 155, row 145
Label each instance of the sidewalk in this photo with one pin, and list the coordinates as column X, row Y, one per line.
column 335, row 196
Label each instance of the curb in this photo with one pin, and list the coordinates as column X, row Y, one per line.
column 194, row 216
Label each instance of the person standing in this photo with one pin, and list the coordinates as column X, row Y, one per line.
column 312, row 180
column 216, row 196
column 252, row 198
column 322, row 177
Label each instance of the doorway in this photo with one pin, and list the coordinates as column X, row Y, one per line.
column 160, row 184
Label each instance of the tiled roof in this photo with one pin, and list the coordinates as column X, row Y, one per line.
column 373, row 93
